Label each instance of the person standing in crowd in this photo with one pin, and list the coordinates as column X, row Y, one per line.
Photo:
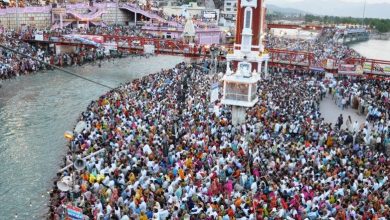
column 340, row 121
column 348, row 123
column 344, row 102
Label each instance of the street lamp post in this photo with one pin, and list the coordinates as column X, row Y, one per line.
column 17, row 14
column 116, row 12
column 299, row 33
column 364, row 12
column 214, row 51
column 175, row 125
column 9, row 18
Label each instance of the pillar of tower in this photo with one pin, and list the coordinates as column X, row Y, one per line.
column 61, row 21
column 257, row 22
column 238, row 115
column 239, row 22
column 259, row 67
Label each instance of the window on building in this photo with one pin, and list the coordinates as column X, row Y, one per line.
column 228, row 9
column 228, row 3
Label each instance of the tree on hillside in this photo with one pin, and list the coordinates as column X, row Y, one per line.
column 381, row 25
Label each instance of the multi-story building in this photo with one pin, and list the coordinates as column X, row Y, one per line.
column 193, row 9
column 230, row 9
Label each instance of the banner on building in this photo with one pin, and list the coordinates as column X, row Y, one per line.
column 149, row 49
column 74, row 213
column 209, row 14
column 350, row 69
column 38, row 37
column 378, row 69
column 88, row 39
column 110, row 46
column 330, row 64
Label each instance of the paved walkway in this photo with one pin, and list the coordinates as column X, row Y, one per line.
column 330, row 112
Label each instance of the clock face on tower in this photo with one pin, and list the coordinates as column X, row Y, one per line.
column 244, row 68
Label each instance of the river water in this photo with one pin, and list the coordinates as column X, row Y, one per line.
column 35, row 111
column 374, row 49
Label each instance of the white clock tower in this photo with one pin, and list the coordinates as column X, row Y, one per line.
column 240, row 84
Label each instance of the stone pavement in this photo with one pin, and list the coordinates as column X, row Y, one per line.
column 330, row 112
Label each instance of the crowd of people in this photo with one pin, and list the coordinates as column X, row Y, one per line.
column 13, row 63
column 371, row 98
column 324, row 46
column 130, row 31
column 164, row 154
column 167, row 155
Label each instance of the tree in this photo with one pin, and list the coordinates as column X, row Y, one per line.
column 381, row 25
column 310, row 18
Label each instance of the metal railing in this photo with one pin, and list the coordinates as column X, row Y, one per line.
column 237, row 97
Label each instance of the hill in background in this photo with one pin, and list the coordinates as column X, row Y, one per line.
column 333, row 8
